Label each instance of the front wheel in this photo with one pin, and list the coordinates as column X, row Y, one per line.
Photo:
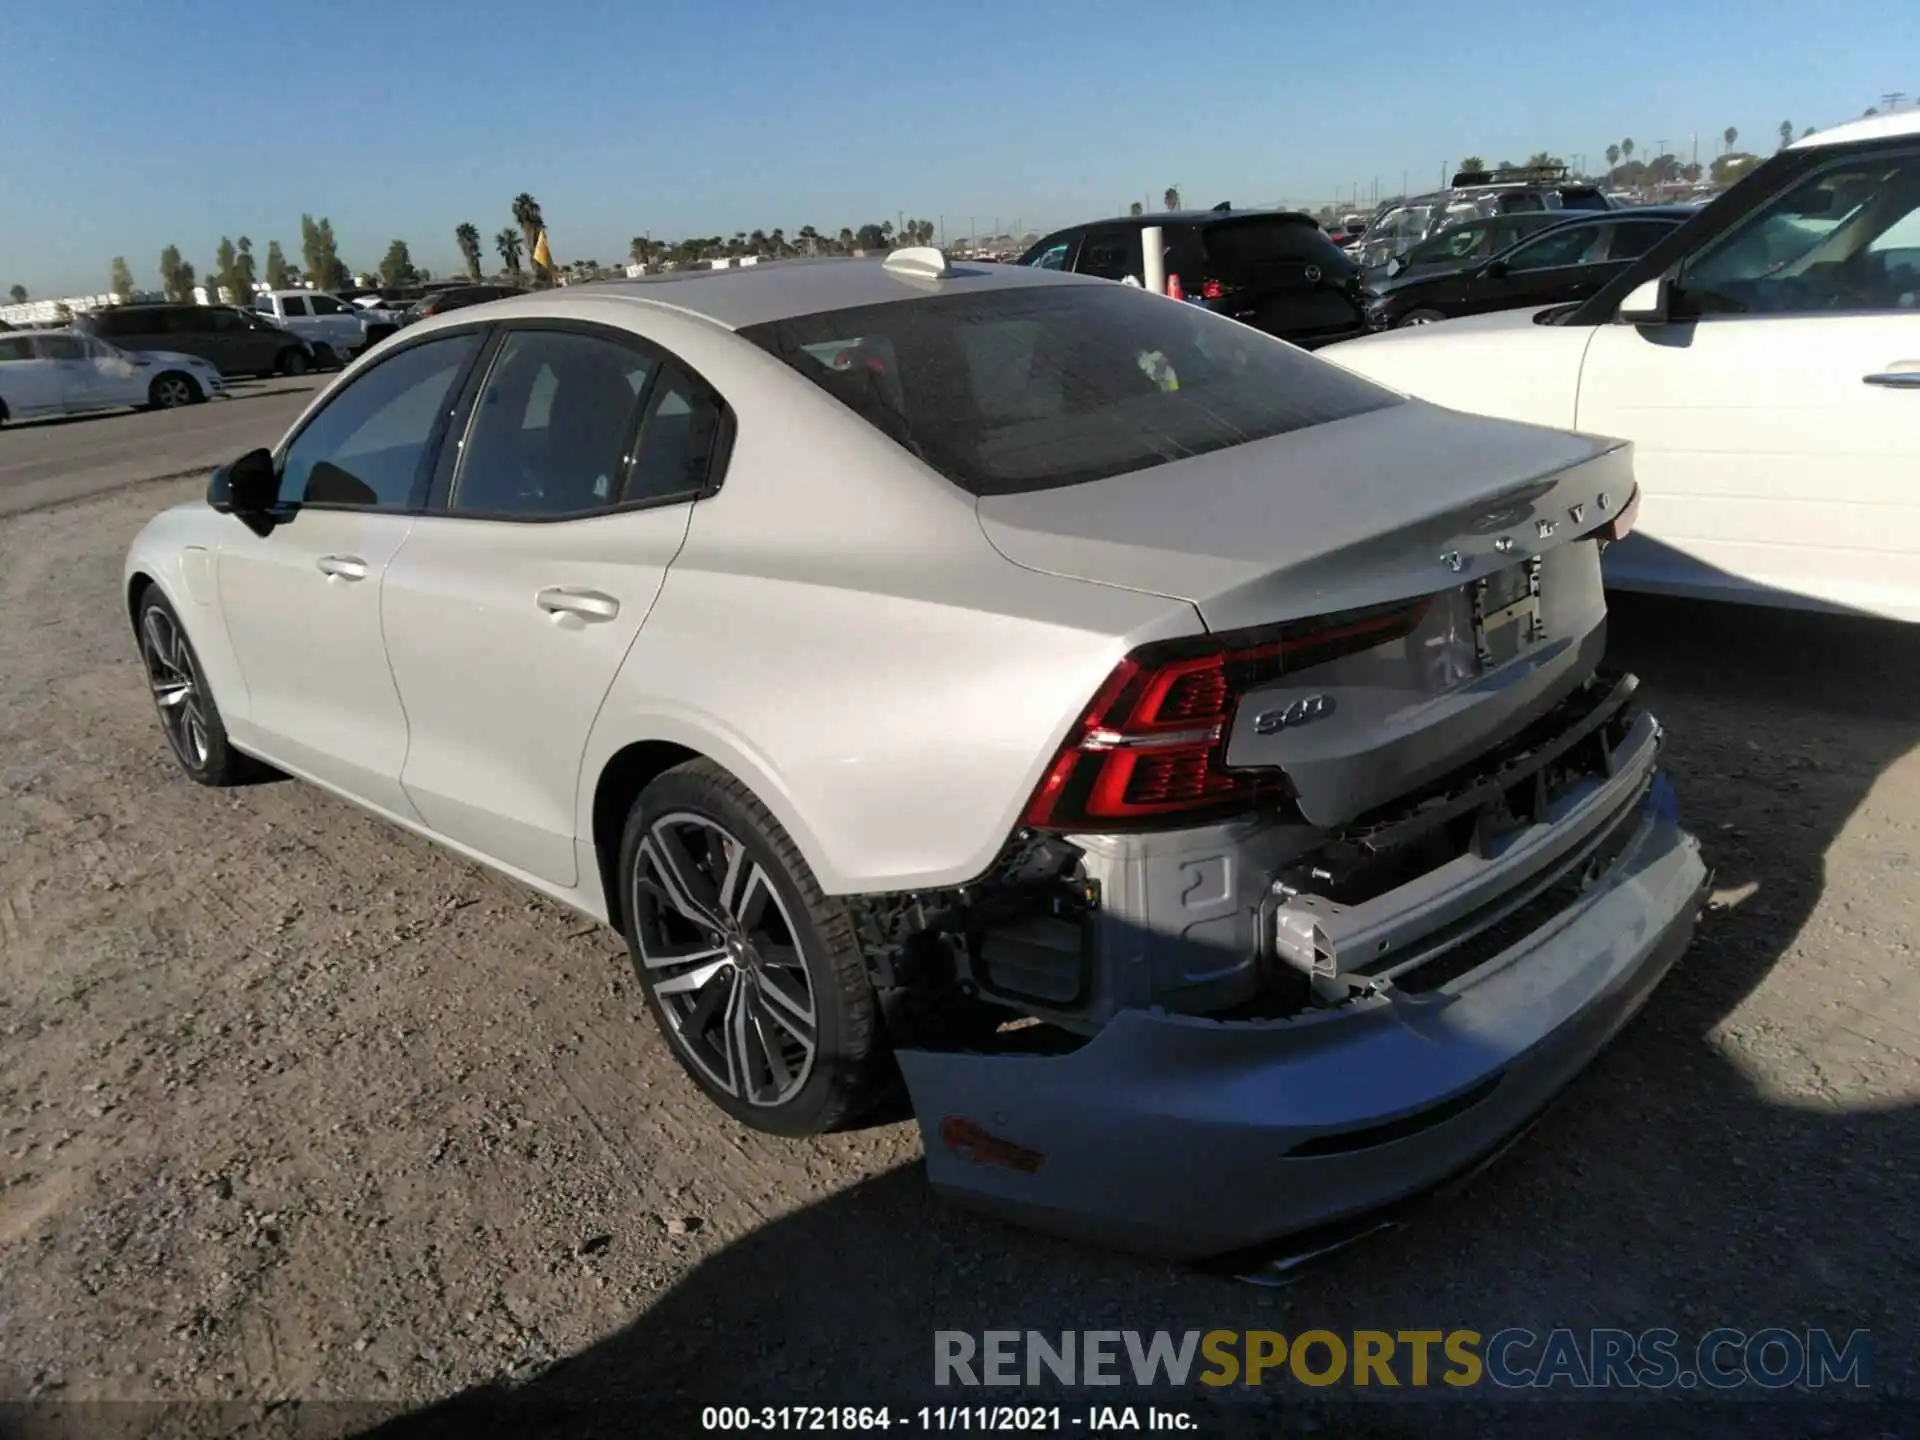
column 191, row 721
column 1419, row 317
column 292, row 362
column 172, row 390
column 752, row 973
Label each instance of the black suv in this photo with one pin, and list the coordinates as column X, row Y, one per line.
column 236, row 341
column 1272, row 269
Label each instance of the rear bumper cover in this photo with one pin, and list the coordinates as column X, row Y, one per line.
column 1188, row 1138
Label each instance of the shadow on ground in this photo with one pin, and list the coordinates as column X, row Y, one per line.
column 1667, row 1190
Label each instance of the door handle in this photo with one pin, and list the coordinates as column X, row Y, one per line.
column 342, row 567
column 1895, row 379
column 587, row 604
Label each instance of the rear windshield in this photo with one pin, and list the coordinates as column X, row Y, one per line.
column 1240, row 247
column 1034, row 388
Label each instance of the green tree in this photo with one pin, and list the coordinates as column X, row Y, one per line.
column 845, row 240
column 1613, row 157
column 1473, row 162
column 225, row 277
column 176, row 274
column 1786, row 133
column 1729, row 168
column 1171, row 198
column 278, row 277
column 510, row 245
column 467, row 236
column 121, row 283
column 396, row 266
column 527, row 215
column 243, row 269
column 1136, row 208
column 1730, row 134
column 322, row 256
column 19, row 294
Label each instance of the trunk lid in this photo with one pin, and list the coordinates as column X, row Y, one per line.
column 1411, row 501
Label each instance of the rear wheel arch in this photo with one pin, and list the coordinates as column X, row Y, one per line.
column 627, row 772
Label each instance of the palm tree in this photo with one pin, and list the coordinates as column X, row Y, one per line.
column 1613, row 158
column 1729, row 135
column 526, row 214
column 1786, row 133
column 1136, row 208
column 845, row 240
column 510, row 245
column 1172, row 198
column 467, row 236
column 1626, row 149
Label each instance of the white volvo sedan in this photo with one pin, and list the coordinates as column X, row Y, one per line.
column 1182, row 764
column 1765, row 362
column 56, row 372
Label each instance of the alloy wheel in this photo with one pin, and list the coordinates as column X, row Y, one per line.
column 172, row 391
column 177, row 690
column 721, row 954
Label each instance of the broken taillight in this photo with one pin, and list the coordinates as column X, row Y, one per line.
column 1212, row 290
column 1149, row 751
column 1622, row 523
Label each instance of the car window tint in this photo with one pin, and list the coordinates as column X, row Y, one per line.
column 675, row 451
column 263, row 302
column 1844, row 239
column 59, row 347
column 327, row 305
column 1241, row 250
column 1054, row 257
column 1013, row 390
column 15, row 347
column 294, row 305
column 1110, row 254
column 1571, row 246
column 550, row 425
column 368, row 445
column 1633, row 238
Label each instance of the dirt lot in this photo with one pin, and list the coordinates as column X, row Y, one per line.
column 294, row 1108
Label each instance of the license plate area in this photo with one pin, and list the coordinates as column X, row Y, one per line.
column 1506, row 613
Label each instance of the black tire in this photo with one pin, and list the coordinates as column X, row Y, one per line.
column 171, row 389
column 292, row 361
column 1424, row 315
column 3, row 412
column 784, row 929
column 188, row 716
column 325, row 358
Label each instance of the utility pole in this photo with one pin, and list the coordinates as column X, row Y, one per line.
column 943, row 232
column 1893, row 99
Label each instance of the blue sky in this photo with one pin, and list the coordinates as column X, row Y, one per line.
column 124, row 127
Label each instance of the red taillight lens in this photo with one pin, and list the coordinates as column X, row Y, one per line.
column 1150, row 748
column 1211, row 290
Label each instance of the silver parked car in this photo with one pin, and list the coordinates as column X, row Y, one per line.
column 1184, row 764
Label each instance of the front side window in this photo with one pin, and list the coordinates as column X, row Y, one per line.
column 1460, row 244
column 1633, row 238
column 294, row 305
column 1844, row 238
column 370, row 445
column 1013, row 390
column 327, row 305
column 549, row 429
column 263, row 302
column 1573, row 245
column 1054, row 257
column 60, row 347
column 1111, row 254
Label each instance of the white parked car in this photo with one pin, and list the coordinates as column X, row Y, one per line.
column 322, row 319
column 1765, row 362
column 56, row 372
column 971, row 675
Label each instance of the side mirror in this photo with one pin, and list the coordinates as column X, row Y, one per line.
column 248, row 490
column 1648, row 303
column 1494, row 270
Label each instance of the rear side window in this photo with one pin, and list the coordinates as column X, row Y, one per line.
column 327, row 305
column 15, row 347
column 1238, row 249
column 1015, row 390
column 1633, row 238
column 1112, row 253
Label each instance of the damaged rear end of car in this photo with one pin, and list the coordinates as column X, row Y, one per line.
column 1314, row 909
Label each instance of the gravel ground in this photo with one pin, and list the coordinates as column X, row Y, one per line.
column 300, row 1114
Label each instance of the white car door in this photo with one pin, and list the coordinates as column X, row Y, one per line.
column 70, row 375
column 116, row 378
column 1776, row 417
column 337, row 324
column 517, row 597
column 29, row 385
column 302, row 604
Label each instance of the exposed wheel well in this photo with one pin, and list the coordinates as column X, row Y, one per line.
column 628, row 773
column 137, row 588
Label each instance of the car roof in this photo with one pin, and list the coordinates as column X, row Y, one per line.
column 1874, row 127
column 784, row 289
column 1191, row 217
